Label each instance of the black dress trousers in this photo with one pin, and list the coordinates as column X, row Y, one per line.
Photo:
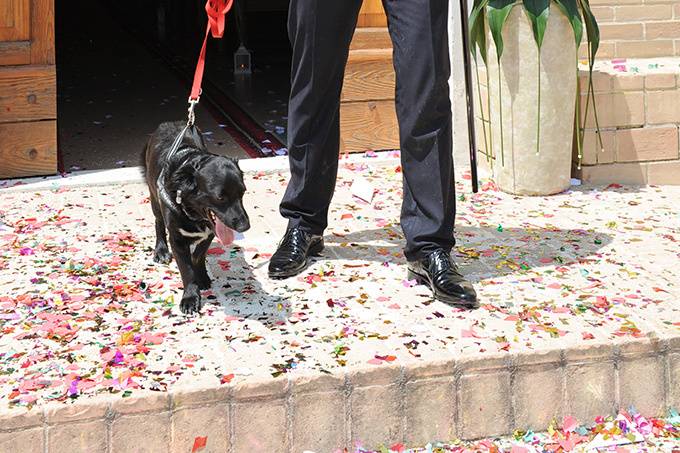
column 320, row 32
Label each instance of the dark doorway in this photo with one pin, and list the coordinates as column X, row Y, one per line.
column 123, row 66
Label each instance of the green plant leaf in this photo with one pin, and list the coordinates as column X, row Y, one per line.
column 497, row 13
column 478, row 29
column 570, row 9
column 477, row 24
column 593, row 35
column 538, row 12
column 592, row 30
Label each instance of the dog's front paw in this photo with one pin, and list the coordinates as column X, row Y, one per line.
column 191, row 303
column 162, row 255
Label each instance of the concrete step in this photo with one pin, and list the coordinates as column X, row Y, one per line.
column 467, row 397
column 373, row 359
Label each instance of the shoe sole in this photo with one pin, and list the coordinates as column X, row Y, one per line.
column 446, row 298
column 314, row 250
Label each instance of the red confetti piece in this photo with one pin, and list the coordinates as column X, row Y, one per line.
column 226, row 379
column 199, row 444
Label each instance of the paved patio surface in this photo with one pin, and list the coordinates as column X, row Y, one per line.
column 589, row 275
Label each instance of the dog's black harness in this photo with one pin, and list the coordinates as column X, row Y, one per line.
column 177, row 152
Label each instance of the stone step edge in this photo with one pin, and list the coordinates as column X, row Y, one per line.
column 131, row 175
column 469, row 397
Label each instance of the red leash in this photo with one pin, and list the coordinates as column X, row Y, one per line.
column 217, row 11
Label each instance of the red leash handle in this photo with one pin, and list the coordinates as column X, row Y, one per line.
column 217, row 11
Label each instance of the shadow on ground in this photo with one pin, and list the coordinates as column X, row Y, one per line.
column 234, row 283
column 481, row 253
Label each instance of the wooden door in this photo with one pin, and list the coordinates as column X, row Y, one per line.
column 28, row 89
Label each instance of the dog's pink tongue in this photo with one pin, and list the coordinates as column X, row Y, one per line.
column 224, row 233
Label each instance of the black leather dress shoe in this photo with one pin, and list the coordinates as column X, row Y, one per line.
column 438, row 272
column 293, row 253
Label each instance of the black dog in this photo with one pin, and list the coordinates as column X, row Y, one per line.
column 192, row 191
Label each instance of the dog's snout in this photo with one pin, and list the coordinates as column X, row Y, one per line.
column 241, row 224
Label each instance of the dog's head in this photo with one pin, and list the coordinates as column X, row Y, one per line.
column 218, row 192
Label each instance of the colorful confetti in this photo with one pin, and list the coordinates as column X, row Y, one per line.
column 629, row 432
column 85, row 311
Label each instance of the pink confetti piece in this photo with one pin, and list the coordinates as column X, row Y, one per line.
column 469, row 333
column 569, row 423
column 409, row 283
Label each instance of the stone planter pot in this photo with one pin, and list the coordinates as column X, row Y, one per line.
column 525, row 172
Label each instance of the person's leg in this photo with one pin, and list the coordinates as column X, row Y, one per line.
column 419, row 31
column 320, row 32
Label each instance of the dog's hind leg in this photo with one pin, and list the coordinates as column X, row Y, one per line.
column 161, row 252
column 198, row 261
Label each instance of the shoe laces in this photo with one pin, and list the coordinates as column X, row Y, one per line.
column 441, row 260
column 293, row 241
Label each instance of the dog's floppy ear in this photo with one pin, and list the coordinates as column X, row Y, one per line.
column 184, row 178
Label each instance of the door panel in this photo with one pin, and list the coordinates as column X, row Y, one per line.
column 28, row 93
column 28, row 149
column 26, row 32
column 15, row 20
column 15, row 53
column 28, row 89
column 42, row 31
